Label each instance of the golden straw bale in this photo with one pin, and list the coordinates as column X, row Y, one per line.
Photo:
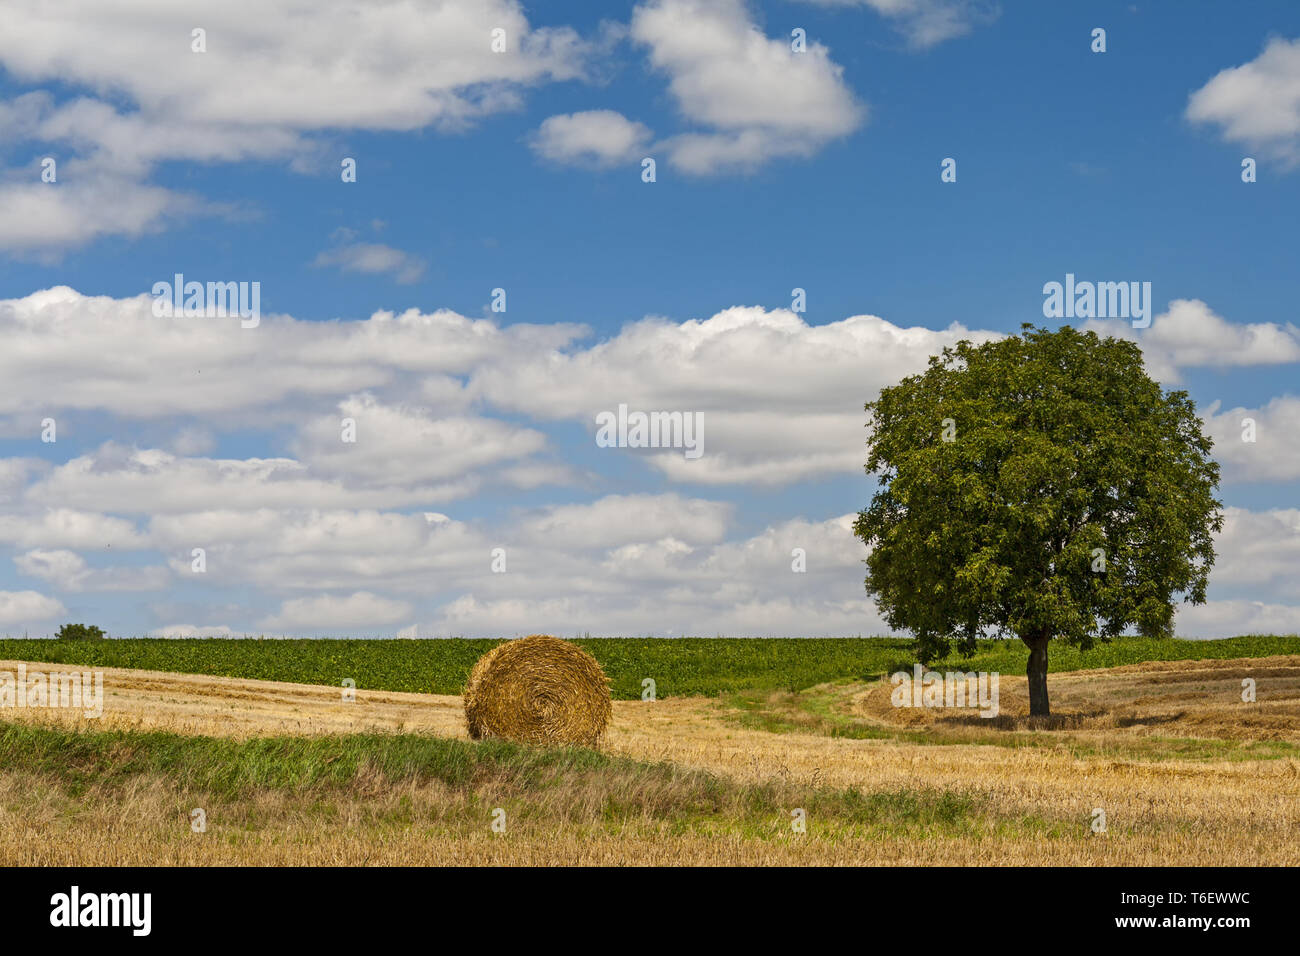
column 538, row 690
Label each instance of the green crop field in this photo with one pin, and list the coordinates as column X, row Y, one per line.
column 678, row 666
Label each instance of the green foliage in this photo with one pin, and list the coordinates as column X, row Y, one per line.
column 1062, row 450
column 679, row 667
column 79, row 632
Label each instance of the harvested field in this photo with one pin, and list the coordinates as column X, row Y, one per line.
column 1185, row 772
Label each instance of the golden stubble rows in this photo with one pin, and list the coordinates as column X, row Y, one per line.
column 1158, row 812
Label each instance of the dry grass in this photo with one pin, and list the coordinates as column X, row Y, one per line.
column 1236, row 801
column 1166, row 698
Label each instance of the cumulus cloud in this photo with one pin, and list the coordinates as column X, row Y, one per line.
column 1253, row 575
column 329, row 613
column 781, row 399
column 371, row 64
column 14, row 475
column 69, row 571
column 619, row 519
column 1216, row 619
column 1259, row 552
column 594, row 137
column 1274, row 452
column 61, row 527
column 109, row 142
column 380, row 532
column 37, row 218
column 562, row 546
column 1258, row 103
column 272, row 79
column 744, row 586
column 1189, row 334
column 28, row 607
column 320, row 550
column 116, row 356
column 622, row 564
column 404, row 446
column 755, row 99
column 606, row 557
column 132, row 480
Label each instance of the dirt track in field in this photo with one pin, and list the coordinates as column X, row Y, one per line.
column 1167, row 698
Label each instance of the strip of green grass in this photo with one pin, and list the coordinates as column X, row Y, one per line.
column 571, row 785
column 679, row 667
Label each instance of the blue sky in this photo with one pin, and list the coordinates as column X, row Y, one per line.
column 820, row 170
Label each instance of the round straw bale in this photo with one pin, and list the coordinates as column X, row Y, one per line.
column 538, row 690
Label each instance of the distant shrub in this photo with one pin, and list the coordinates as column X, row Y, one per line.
column 80, row 632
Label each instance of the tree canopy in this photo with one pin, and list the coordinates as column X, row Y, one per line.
column 1041, row 485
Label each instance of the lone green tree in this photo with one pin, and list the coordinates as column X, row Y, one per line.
column 1038, row 486
column 80, row 632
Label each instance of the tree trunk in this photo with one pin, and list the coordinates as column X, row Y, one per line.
column 1037, row 674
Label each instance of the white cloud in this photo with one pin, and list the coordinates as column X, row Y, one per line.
column 36, row 218
column 756, row 98
column 151, row 481
column 658, row 585
column 445, row 406
column 316, row 549
column 557, row 546
column 595, row 137
column 331, row 614
column 781, row 399
column 1254, row 572
column 116, row 356
column 373, row 258
column 14, row 475
column 1233, row 618
column 368, row 64
column 402, row 446
column 1274, row 455
column 128, row 144
column 273, row 77
column 1258, row 553
column 68, row 571
column 62, row 527
column 1189, row 334
column 28, row 607
column 1258, row 103
column 617, row 519
column 829, row 547
column 623, row 564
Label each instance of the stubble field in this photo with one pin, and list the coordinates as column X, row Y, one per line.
column 286, row 773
